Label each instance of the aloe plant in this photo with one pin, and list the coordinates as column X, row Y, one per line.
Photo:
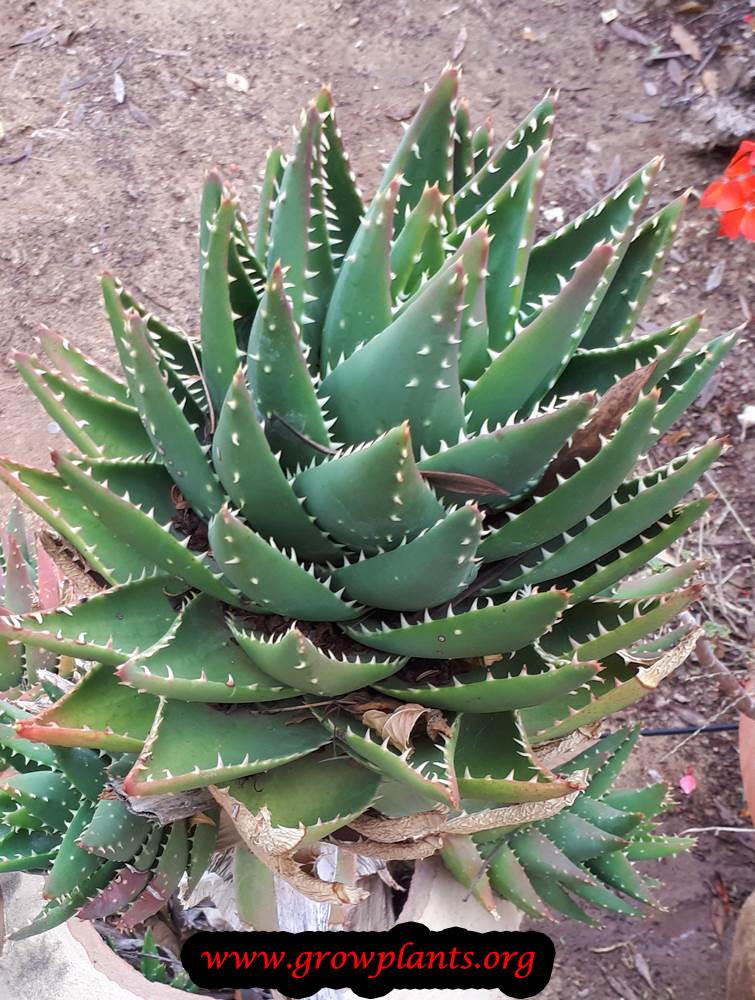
column 29, row 581
column 370, row 538
column 58, row 815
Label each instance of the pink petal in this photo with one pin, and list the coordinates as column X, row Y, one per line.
column 687, row 782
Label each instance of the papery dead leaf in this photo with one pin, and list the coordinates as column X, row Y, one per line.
column 35, row 35
column 119, row 88
column 529, row 35
column 460, row 482
column 412, row 850
column 630, row 34
column 237, row 82
column 643, row 969
column 524, row 812
column 256, row 829
column 674, row 72
column 709, row 78
column 460, row 43
column 686, row 42
column 388, row 830
column 585, row 442
column 715, row 276
column 397, row 726
column 552, row 754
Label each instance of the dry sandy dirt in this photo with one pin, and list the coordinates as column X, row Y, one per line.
column 89, row 182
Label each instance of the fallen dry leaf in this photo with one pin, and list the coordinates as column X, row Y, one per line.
column 460, row 43
column 709, row 78
column 715, row 276
column 16, row 157
column 529, row 35
column 237, row 82
column 686, row 42
column 675, row 72
column 643, row 969
column 621, row 988
column 629, row 34
column 397, row 726
column 119, row 88
column 746, row 419
column 138, row 115
column 35, row 35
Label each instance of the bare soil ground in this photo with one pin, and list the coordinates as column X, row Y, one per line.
column 110, row 119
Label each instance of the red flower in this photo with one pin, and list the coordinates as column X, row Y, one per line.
column 743, row 160
column 733, row 195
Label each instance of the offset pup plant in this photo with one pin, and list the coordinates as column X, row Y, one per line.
column 370, row 540
column 58, row 815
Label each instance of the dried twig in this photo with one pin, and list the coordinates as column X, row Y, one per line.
column 731, row 509
column 729, row 685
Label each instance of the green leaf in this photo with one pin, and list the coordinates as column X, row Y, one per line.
column 425, row 154
column 483, row 630
column 370, row 498
column 273, row 582
column 431, row 569
column 99, row 712
column 409, row 371
column 140, row 531
column 532, row 362
column 114, row 831
column 225, row 745
column 95, row 424
column 493, row 761
column 254, row 480
column 293, row 659
column 360, row 306
column 198, row 660
column 317, row 794
column 173, row 438
column 219, row 350
column 279, row 380
column 107, row 627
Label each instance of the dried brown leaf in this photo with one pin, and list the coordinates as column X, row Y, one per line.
column 552, row 754
column 11, row 158
column 638, row 117
column 460, row 43
column 412, row 850
column 585, row 442
column 675, row 72
column 643, row 969
column 621, row 988
column 386, row 830
column 686, row 42
column 613, row 174
column 459, row 482
column 119, row 88
column 630, row 34
column 397, row 726
column 35, row 35
column 715, row 276
column 138, row 115
column 524, row 812
column 710, row 81
column 256, row 829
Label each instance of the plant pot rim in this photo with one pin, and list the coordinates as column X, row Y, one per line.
column 117, row 969
column 105, row 963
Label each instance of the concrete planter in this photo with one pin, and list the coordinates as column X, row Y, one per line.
column 71, row 962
